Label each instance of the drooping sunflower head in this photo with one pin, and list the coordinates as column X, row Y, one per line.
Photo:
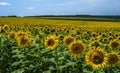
column 76, row 48
column 51, row 42
column 114, row 44
column 68, row 39
column 113, row 59
column 23, row 41
column 97, row 58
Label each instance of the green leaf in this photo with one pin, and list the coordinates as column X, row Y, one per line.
column 70, row 63
column 51, row 68
column 48, row 71
column 63, row 66
column 61, row 58
column 34, row 55
column 18, row 71
column 16, row 51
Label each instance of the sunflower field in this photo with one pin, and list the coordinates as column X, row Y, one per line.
column 33, row 45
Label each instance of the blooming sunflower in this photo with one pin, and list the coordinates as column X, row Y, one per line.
column 41, row 35
column 0, row 29
column 23, row 41
column 51, row 42
column 20, row 34
column 94, row 34
column 110, row 33
column 5, row 27
column 114, row 44
column 76, row 48
column 61, row 37
column 95, row 44
column 118, row 38
column 113, row 59
column 97, row 58
column 11, row 35
column 68, row 39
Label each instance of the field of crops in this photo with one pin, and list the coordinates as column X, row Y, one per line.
column 36, row 45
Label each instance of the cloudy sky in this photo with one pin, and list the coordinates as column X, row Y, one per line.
column 59, row 7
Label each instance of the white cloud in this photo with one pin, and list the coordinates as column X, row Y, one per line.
column 31, row 8
column 4, row 4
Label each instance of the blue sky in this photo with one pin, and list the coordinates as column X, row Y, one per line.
column 59, row 7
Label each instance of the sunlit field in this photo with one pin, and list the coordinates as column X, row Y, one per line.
column 44, row 45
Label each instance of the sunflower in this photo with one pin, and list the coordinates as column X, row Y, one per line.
column 76, row 48
column 23, row 41
column 0, row 29
column 110, row 33
column 41, row 35
column 114, row 44
column 116, row 35
column 11, row 35
column 68, row 39
column 110, row 38
column 118, row 38
column 5, row 27
column 61, row 37
column 94, row 34
column 95, row 44
column 103, row 35
column 20, row 34
column 113, row 59
column 51, row 42
column 97, row 58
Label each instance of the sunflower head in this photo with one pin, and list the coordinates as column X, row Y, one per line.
column 76, row 48
column 51, row 42
column 110, row 38
column 103, row 35
column 73, row 34
column 95, row 44
column 114, row 44
column 11, row 35
column 68, row 39
column 94, row 34
column 113, row 59
column 72, row 28
column 20, row 34
column 105, row 39
column 116, row 35
column 97, row 58
column 41, row 35
column 61, row 37
column 118, row 38
column 5, row 27
column 23, row 41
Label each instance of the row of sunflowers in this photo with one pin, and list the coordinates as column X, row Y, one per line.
column 56, row 49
